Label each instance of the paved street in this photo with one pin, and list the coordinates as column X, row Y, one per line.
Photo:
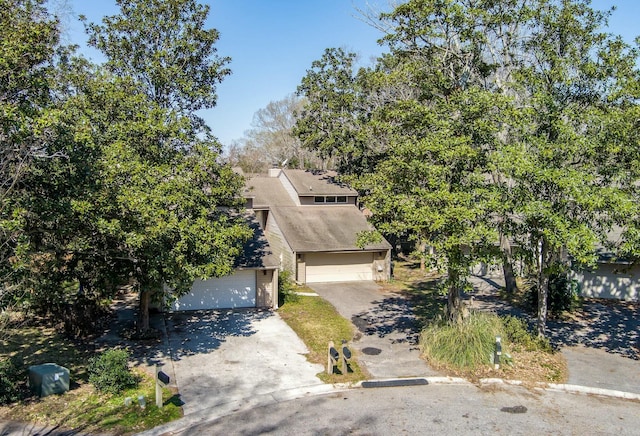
column 434, row 409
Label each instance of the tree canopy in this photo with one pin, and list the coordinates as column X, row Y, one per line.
column 138, row 195
column 271, row 140
column 487, row 122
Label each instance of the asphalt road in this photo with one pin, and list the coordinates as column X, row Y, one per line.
column 435, row 409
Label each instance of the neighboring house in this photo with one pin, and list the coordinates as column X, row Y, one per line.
column 312, row 223
column 612, row 277
column 254, row 282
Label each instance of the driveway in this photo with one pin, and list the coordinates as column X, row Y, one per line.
column 222, row 356
column 387, row 339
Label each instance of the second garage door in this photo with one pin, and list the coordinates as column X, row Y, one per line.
column 230, row 292
column 338, row 267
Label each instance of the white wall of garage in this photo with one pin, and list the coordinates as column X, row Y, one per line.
column 338, row 267
column 234, row 291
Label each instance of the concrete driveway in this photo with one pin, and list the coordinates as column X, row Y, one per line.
column 387, row 339
column 223, row 356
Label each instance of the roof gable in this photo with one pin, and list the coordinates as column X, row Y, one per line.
column 266, row 192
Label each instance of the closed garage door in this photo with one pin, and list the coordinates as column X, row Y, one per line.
column 341, row 267
column 236, row 290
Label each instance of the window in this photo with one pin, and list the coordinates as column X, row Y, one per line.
column 330, row 199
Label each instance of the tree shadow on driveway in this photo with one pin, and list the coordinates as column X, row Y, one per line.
column 609, row 325
column 390, row 316
column 180, row 333
column 402, row 315
column 200, row 332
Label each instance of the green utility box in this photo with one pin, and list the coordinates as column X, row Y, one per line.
column 48, row 379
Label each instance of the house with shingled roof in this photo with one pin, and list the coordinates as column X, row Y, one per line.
column 312, row 223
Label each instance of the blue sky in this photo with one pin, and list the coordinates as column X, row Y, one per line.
column 273, row 42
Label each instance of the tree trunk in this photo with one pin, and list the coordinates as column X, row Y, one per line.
column 543, row 291
column 143, row 322
column 421, row 248
column 507, row 266
column 453, row 297
column 543, row 288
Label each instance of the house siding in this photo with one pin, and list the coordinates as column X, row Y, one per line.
column 289, row 188
column 382, row 266
column 267, row 288
column 279, row 246
column 301, row 272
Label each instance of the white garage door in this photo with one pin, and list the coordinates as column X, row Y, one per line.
column 342, row 267
column 236, row 290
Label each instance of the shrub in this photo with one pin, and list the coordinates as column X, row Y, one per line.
column 109, row 372
column 464, row 345
column 517, row 332
column 286, row 288
column 10, row 380
column 563, row 294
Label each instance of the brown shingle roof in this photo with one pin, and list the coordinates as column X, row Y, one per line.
column 323, row 228
column 308, row 183
column 266, row 192
column 257, row 252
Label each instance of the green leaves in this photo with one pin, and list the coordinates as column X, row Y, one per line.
column 488, row 120
column 166, row 49
column 136, row 194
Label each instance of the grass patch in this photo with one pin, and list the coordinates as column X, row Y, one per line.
column 82, row 408
column 317, row 322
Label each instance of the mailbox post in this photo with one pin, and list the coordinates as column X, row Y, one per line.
column 346, row 355
column 332, row 357
column 498, row 352
column 162, row 379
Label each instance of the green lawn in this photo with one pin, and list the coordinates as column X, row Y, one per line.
column 81, row 408
column 317, row 322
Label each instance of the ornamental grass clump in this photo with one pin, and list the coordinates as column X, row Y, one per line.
column 467, row 344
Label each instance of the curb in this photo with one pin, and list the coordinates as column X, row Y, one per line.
column 594, row 391
column 572, row 389
column 228, row 408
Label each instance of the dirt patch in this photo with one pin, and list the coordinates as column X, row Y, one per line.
column 529, row 367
